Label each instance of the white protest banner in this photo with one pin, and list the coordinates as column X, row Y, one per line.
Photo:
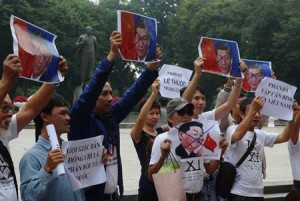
column 83, row 162
column 172, row 79
column 279, row 97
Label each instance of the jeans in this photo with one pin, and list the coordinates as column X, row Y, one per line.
column 209, row 188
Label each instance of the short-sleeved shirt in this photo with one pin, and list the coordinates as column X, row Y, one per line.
column 7, row 185
column 294, row 152
column 249, row 179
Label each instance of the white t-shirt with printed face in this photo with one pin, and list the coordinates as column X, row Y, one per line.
column 249, row 179
column 7, row 186
column 294, row 153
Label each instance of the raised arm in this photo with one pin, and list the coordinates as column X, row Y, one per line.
column 291, row 130
column 244, row 126
column 140, row 121
column 11, row 73
column 233, row 98
column 39, row 100
column 191, row 88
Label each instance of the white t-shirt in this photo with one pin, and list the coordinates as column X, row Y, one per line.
column 156, row 151
column 7, row 186
column 249, row 179
column 294, row 152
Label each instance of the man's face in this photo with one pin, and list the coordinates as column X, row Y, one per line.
column 153, row 117
column 192, row 138
column 224, row 61
column 199, row 103
column 179, row 117
column 5, row 114
column 254, row 77
column 104, row 101
column 42, row 56
column 142, row 42
column 60, row 118
column 236, row 110
column 255, row 123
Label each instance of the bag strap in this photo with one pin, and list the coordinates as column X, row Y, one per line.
column 250, row 148
column 173, row 164
column 6, row 155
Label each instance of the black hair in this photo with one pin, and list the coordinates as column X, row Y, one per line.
column 182, row 90
column 155, row 104
column 141, row 23
column 223, row 46
column 247, row 101
column 186, row 126
column 55, row 101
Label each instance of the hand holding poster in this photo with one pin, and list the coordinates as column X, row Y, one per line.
column 172, row 79
column 36, row 50
column 257, row 70
column 83, row 162
column 222, row 56
column 139, row 36
column 279, row 97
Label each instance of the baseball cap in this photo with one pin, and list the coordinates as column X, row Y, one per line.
column 177, row 104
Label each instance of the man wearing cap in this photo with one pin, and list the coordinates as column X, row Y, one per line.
column 178, row 111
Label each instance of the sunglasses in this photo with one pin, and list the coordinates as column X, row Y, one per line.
column 186, row 110
column 6, row 107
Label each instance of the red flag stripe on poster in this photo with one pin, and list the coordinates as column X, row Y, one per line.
column 209, row 143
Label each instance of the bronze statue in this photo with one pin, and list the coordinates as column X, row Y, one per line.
column 86, row 44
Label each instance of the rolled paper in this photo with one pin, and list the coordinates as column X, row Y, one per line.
column 55, row 145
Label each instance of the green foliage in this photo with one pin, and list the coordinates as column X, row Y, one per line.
column 264, row 30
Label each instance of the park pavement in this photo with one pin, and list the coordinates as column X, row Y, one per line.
column 278, row 164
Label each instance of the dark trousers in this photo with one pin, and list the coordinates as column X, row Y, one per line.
column 194, row 196
column 234, row 197
column 294, row 194
column 147, row 194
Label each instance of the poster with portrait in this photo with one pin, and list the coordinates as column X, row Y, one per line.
column 222, row 56
column 257, row 70
column 139, row 36
column 36, row 50
column 191, row 144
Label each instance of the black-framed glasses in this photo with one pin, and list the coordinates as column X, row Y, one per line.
column 188, row 109
column 6, row 107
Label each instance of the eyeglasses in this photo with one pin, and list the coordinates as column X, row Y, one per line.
column 141, row 39
column 257, row 76
column 6, row 107
column 186, row 110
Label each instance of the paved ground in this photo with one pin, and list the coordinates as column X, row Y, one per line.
column 278, row 165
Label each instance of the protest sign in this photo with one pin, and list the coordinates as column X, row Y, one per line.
column 36, row 50
column 222, row 57
column 198, row 138
column 83, row 162
column 139, row 36
column 172, row 79
column 191, row 143
column 257, row 70
column 278, row 96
